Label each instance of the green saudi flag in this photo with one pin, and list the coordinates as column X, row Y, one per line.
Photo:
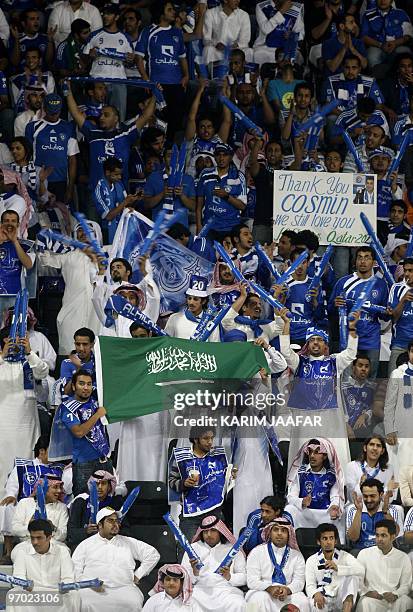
column 132, row 373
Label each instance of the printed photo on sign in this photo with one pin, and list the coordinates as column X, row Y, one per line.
column 328, row 204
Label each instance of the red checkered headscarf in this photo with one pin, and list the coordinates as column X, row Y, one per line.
column 138, row 292
column 213, row 522
column 175, row 571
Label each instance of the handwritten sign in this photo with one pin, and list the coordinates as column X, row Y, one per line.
column 328, row 204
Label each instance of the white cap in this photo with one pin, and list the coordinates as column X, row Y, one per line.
column 103, row 513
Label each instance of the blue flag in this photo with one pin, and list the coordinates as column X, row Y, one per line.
column 172, row 263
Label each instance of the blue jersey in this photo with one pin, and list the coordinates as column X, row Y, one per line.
column 163, row 48
column 223, row 215
column 384, row 27
column 94, row 445
column 52, row 144
column 11, row 268
column 368, row 326
column 316, row 484
column 3, row 85
column 107, row 197
column 103, row 144
column 403, row 327
column 357, row 398
column 220, row 300
column 384, row 199
column 332, row 46
column 155, row 184
column 239, row 129
column 314, row 384
column 399, row 128
column 26, row 43
column 304, row 315
column 67, row 369
column 349, row 92
column 203, row 247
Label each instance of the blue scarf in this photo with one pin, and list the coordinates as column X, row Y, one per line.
column 193, row 318
column 254, row 324
column 407, row 397
column 278, row 574
column 369, row 474
column 328, row 574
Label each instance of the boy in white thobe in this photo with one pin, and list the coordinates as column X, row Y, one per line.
column 276, row 571
column 47, row 564
column 172, row 592
column 112, row 558
column 332, row 576
column 388, row 578
column 216, row 592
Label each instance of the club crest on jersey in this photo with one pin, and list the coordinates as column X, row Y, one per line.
column 30, row 478
column 374, row 293
column 3, row 254
column 308, row 486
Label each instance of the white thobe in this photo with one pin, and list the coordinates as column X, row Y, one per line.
column 18, row 413
column 251, row 455
column 269, row 330
column 114, row 562
column 226, row 29
column 353, row 474
column 344, row 582
column 77, row 309
column 46, row 571
column 212, row 592
column 259, row 577
column 42, row 347
column 333, row 421
column 56, row 513
column 391, row 573
column 178, row 326
column 161, row 602
column 397, row 419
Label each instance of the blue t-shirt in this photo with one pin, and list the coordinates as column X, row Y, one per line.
column 384, row 26
column 106, row 197
column 155, row 183
column 403, row 327
column 332, row 46
column 11, row 267
column 224, row 215
column 52, row 143
column 103, row 144
column 368, row 326
column 26, row 43
column 163, row 48
column 67, row 369
column 304, row 315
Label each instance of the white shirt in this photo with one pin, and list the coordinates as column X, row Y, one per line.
column 212, row 557
column 390, row 573
column 222, row 28
column 42, row 347
column 347, row 566
column 353, row 474
column 22, row 120
column 45, row 570
column 260, row 569
column 14, row 202
column 178, row 326
column 56, row 512
column 266, row 26
column 4, row 28
column 161, row 602
column 113, row 561
column 62, row 16
column 107, row 66
column 269, row 330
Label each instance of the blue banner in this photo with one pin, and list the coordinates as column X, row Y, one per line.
column 172, row 263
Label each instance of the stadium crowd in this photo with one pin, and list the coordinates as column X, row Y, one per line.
column 139, row 147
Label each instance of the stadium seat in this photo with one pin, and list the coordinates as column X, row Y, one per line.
column 307, row 543
column 151, row 503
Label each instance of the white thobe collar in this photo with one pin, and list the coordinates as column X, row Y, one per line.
column 169, row 598
column 51, row 551
column 105, row 540
column 308, row 469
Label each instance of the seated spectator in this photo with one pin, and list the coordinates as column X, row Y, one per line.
column 80, row 525
column 112, row 558
column 385, row 31
column 212, row 542
column 226, row 24
column 46, row 563
column 271, row 508
column 397, row 88
column 33, row 98
column 397, row 226
column 276, row 570
column 406, row 485
column 56, row 511
column 256, row 107
column 315, row 486
column 365, row 511
column 281, row 90
column 174, row 587
column 332, row 575
column 321, row 18
column 65, row 13
column 343, row 44
column 281, row 26
column 388, row 573
column 357, row 392
column 373, row 463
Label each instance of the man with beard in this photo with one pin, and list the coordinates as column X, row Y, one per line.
column 366, row 511
column 244, row 251
column 375, row 137
column 224, row 287
column 271, row 508
column 331, row 575
column 388, row 573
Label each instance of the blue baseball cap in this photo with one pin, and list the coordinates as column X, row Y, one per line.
column 53, row 104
